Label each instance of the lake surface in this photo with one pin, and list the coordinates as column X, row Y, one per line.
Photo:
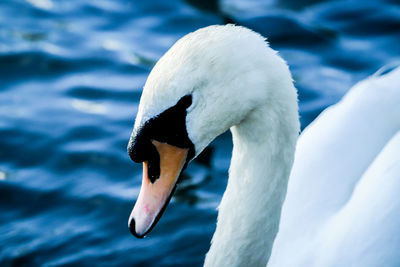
column 71, row 75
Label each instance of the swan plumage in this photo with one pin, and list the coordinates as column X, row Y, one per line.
column 227, row 77
column 341, row 207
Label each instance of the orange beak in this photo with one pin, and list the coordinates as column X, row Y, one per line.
column 154, row 197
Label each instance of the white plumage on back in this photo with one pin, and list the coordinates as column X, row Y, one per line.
column 341, row 207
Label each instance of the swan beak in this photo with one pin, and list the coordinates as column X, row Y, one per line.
column 154, row 197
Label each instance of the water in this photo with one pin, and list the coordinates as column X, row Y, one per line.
column 71, row 74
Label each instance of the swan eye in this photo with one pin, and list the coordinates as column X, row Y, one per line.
column 185, row 101
column 167, row 127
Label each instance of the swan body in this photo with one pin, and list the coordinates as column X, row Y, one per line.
column 342, row 206
column 227, row 77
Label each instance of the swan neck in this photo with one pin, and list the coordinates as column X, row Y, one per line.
column 249, row 213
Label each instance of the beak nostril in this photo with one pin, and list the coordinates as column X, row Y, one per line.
column 142, row 150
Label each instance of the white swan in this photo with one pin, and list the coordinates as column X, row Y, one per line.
column 217, row 78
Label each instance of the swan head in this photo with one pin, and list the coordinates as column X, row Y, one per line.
column 207, row 82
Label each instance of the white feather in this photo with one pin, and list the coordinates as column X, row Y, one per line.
column 340, row 209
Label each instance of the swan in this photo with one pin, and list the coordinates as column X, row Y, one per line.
column 199, row 89
column 227, row 77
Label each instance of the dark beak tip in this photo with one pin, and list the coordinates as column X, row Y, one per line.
column 133, row 230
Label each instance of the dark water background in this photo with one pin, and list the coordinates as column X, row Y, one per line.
column 71, row 74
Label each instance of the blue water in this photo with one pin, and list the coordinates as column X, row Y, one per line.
column 71, row 74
